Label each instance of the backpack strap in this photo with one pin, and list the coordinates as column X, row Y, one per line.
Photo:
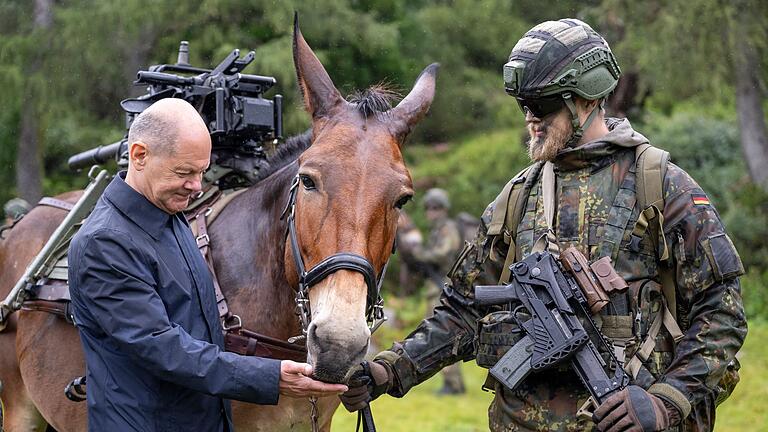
column 548, row 241
column 508, row 210
column 651, row 169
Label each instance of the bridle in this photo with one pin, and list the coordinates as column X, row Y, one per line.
column 374, row 307
column 374, row 310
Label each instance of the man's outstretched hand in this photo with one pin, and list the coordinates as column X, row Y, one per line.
column 296, row 381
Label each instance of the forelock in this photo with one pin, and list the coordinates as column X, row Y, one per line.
column 375, row 100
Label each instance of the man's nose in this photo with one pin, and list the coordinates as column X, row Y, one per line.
column 529, row 117
column 194, row 185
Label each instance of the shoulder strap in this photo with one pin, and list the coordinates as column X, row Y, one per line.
column 508, row 211
column 502, row 201
column 651, row 169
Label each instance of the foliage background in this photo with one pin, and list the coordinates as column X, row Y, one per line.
column 67, row 77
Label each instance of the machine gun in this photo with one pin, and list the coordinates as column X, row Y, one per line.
column 240, row 120
column 555, row 307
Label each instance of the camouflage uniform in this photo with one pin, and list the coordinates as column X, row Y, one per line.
column 15, row 208
column 435, row 259
column 593, row 180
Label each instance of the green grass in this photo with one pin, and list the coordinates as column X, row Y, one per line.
column 422, row 410
column 746, row 409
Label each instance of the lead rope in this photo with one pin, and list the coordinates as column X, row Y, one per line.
column 365, row 416
column 313, row 414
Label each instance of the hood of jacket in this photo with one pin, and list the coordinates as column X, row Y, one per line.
column 600, row 152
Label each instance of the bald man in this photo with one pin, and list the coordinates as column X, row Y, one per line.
column 144, row 302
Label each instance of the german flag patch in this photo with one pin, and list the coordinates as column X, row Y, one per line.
column 700, row 199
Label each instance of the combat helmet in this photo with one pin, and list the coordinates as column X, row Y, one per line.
column 437, row 197
column 559, row 59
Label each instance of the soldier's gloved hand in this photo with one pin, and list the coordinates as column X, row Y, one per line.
column 366, row 384
column 635, row 410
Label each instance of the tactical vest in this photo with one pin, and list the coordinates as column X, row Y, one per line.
column 643, row 328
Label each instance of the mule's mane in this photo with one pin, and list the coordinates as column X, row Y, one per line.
column 374, row 100
column 286, row 153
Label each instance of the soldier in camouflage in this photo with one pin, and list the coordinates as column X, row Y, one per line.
column 680, row 352
column 433, row 260
column 14, row 209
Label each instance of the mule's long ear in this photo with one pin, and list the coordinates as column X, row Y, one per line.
column 413, row 108
column 317, row 89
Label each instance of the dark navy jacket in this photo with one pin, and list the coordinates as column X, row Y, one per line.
column 145, row 306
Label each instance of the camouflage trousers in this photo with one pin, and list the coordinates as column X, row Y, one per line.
column 544, row 402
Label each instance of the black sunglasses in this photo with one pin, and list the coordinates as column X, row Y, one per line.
column 541, row 107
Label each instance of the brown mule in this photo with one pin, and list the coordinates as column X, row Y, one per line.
column 352, row 182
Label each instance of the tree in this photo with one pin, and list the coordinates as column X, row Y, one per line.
column 701, row 52
column 744, row 27
column 28, row 154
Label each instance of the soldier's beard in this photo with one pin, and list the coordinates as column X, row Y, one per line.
column 557, row 131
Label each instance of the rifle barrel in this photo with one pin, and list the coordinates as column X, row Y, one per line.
column 97, row 156
column 257, row 79
column 162, row 78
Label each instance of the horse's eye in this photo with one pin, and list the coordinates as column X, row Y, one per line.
column 403, row 201
column 307, row 181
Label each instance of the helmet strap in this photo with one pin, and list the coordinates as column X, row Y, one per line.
column 578, row 129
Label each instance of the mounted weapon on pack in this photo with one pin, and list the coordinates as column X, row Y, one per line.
column 240, row 119
column 241, row 122
column 555, row 302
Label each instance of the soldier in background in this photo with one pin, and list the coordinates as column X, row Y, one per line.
column 14, row 209
column 432, row 260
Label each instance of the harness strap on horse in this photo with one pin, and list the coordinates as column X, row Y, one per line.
column 55, row 203
column 60, row 308
column 203, row 241
column 45, row 201
column 248, row 343
column 52, row 296
column 236, row 338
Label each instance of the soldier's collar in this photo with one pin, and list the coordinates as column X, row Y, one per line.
column 600, row 153
column 595, row 155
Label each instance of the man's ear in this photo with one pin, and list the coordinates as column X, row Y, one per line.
column 138, row 154
column 586, row 105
